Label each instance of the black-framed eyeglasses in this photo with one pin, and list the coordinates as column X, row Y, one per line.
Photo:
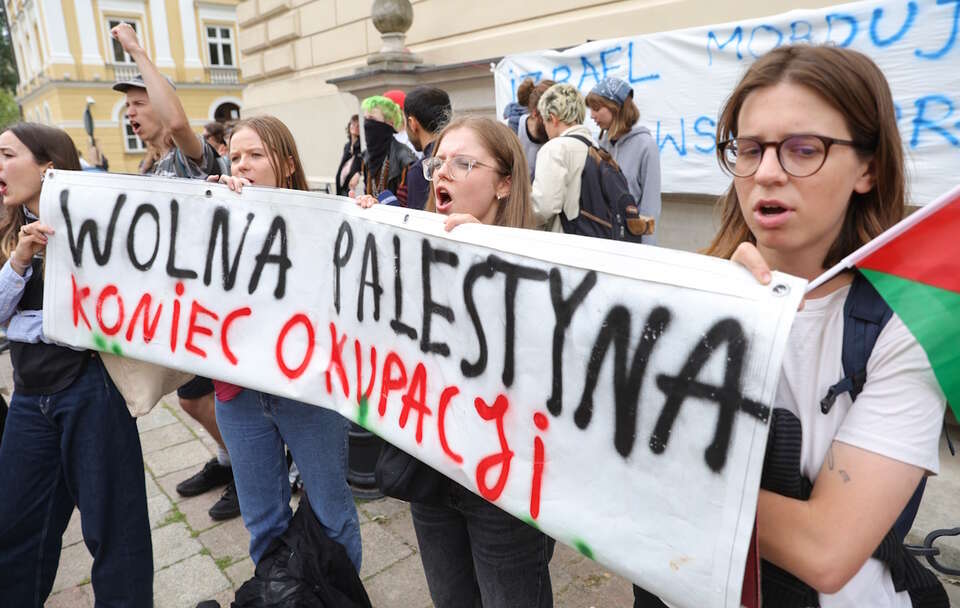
column 800, row 155
column 458, row 167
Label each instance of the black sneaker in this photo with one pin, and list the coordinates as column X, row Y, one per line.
column 228, row 506
column 211, row 476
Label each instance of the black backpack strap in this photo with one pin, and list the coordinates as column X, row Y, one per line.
column 782, row 475
column 583, row 139
column 865, row 314
column 908, row 574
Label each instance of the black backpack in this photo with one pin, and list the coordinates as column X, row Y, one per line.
column 607, row 209
column 865, row 314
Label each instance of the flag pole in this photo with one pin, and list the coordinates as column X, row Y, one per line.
column 888, row 235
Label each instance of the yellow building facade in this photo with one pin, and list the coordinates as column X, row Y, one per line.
column 67, row 60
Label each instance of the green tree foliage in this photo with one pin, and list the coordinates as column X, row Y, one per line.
column 9, row 109
column 8, row 65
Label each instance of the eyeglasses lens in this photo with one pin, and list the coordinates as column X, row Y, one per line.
column 800, row 156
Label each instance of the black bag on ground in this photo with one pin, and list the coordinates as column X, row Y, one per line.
column 400, row 475
column 607, row 209
column 303, row 568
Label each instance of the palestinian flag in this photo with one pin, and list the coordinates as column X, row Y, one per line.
column 915, row 266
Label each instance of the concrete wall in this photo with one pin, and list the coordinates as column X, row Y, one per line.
column 291, row 48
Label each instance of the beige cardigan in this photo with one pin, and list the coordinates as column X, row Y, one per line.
column 556, row 185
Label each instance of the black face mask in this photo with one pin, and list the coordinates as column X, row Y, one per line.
column 378, row 136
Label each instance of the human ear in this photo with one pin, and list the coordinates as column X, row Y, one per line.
column 503, row 188
column 866, row 180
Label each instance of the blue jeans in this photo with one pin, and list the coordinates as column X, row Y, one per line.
column 76, row 447
column 255, row 426
column 474, row 552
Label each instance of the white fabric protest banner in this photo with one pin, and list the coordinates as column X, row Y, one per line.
column 681, row 78
column 614, row 395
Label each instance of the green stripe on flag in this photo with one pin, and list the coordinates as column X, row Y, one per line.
column 933, row 316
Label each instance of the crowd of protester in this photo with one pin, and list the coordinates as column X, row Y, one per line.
column 810, row 139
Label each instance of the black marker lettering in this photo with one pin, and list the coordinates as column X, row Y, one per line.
column 430, row 256
column 396, row 324
column 172, row 270
column 144, row 209
column 512, row 275
column 370, row 259
column 101, row 255
column 626, row 385
column 221, row 226
column 480, row 269
column 277, row 227
column 728, row 397
column 563, row 312
column 340, row 258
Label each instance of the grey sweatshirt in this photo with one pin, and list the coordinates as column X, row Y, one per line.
column 638, row 156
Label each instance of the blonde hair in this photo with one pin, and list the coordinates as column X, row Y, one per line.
column 280, row 146
column 501, row 143
column 564, row 102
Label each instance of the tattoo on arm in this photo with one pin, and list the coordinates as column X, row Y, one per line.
column 831, row 464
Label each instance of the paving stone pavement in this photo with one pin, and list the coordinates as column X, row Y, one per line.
column 198, row 559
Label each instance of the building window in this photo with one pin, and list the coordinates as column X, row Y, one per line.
column 131, row 143
column 117, row 53
column 220, row 44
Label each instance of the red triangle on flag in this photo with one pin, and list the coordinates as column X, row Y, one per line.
column 928, row 252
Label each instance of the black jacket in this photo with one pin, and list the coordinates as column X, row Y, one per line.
column 349, row 152
column 303, row 568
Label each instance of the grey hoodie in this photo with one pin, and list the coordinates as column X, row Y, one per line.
column 638, row 156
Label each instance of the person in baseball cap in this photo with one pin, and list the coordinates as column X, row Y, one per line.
column 157, row 117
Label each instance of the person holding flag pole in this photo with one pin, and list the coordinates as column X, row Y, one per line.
column 810, row 138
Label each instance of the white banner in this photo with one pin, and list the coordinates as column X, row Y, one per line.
column 614, row 395
column 681, row 78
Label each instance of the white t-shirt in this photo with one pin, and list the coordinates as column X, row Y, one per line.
column 899, row 415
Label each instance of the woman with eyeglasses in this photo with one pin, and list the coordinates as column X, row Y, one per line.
column 473, row 553
column 810, row 137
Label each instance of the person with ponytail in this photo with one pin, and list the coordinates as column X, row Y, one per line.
column 474, row 553
column 69, row 440
column 631, row 145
